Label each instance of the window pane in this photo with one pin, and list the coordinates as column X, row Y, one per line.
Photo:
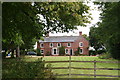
column 69, row 44
column 55, row 51
column 81, row 50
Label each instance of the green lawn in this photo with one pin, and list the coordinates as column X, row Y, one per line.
column 78, row 64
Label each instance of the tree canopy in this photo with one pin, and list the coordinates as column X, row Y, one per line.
column 109, row 27
column 28, row 21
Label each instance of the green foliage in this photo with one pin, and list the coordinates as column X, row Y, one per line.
column 77, row 53
column 105, row 56
column 94, row 40
column 23, row 52
column 108, row 27
column 20, row 69
column 48, row 53
column 26, row 20
column 38, row 52
column 62, row 50
column 92, row 52
column 85, row 36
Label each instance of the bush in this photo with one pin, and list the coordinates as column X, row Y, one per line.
column 62, row 51
column 101, row 51
column 21, row 69
column 91, row 52
column 48, row 53
column 105, row 56
column 77, row 53
column 38, row 52
column 22, row 52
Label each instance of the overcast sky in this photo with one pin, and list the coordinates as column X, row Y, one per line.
column 85, row 30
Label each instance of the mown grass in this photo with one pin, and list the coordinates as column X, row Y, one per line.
column 79, row 64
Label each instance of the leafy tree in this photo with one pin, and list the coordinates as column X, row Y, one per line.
column 94, row 40
column 109, row 27
column 85, row 36
column 31, row 20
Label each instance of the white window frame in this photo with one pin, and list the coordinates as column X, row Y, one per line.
column 68, row 46
column 53, row 51
column 50, row 44
column 58, row 43
column 41, row 51
column 82, row 51
column 80, row 44
column 67, row 52
column 41, row 46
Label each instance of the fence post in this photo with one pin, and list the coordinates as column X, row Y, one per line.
column 94, row 69
column 69, row 67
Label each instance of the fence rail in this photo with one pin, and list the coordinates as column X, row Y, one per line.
column 88, row 75
column 95, row 68
column 84, row 68
column 82, row 61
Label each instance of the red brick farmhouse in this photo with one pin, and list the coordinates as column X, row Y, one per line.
column 50, row 45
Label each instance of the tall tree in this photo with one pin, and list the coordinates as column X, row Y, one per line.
column 94, row 40
column 31, row 20
column 109, row 27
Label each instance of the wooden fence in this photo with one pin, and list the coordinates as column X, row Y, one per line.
column 95, row 68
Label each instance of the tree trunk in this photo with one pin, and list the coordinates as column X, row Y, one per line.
column 18, row 52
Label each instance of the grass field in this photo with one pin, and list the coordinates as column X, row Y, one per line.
column 78, row 64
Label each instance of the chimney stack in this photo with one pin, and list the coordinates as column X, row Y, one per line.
column 80, row 33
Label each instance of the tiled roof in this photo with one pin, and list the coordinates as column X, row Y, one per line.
column 60, row 38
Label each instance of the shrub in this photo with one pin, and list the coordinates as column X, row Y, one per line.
column 77, row 53
column 62, row 50
column 105, row 56
column 38, row 52
column 92, row 52
column 22, row 52
column 21, row 69
column 101, row 51
column 48, row 53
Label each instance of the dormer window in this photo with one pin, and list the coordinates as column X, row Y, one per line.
column 51, row 44
column 41, row 45
column 58, row 44
column 68, row 44
column 81, row 44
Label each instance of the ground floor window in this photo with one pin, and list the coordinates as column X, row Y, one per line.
column 81, row 51
column 42, row 51
column 54, row 51
column 66, row 51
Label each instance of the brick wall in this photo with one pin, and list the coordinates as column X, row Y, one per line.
column 74, row 45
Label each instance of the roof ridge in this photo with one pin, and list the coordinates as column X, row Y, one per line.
column 64, row 36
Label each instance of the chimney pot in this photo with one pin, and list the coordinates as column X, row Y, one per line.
column 80, row 33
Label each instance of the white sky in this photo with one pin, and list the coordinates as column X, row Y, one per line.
column 85, row 30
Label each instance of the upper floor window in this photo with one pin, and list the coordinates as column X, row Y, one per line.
column 41, row 45
column 58, row 44
column 81, row 44
column 68, row 44
column 51, row 44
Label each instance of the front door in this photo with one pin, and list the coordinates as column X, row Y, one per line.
column 71, row 51
column 54, row 51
